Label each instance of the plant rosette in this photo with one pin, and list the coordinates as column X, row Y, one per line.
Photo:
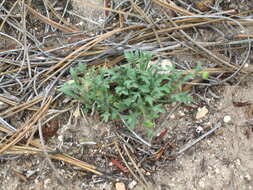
column 135, row 92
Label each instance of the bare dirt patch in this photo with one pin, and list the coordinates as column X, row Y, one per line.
column 91, row 17
column 221, row 161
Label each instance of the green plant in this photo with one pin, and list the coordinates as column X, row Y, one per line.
column 133, row 92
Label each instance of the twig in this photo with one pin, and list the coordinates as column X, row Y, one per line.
column 137, row 136
column 7, row 125
column 189, row 145
column 16, row 137
column 47, row 156
column 135, row 165
column 127, row 165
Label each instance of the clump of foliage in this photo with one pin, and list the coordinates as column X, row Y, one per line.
column 133, row 92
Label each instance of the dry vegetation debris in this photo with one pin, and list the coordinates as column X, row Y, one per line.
column 41, row 40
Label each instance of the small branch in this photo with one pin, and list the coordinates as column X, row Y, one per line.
column 189, row 145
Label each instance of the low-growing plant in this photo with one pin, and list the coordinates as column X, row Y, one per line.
column 132, row 92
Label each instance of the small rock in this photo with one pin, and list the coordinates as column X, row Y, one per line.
column 120, row 186
column 247, row 178
column 172, row 116
column 238, row 162
column 181, row 113
column 132, row 184
column 202, row 184
column 199, row 129
column 164, row 66
column 227, row 119
column 148, row 173
column 29, row 173
column 201, row 112
column 47, row 182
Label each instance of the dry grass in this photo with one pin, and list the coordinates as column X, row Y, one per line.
column 41, row 41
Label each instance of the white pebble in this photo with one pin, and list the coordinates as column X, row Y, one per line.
column 132, row 184
column 247, row 177
column 199, row 129
column 227, row 119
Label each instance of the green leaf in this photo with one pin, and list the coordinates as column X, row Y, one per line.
column 128, row 101
column 69, row 90
column 149, row 100
column 149, row 124
column 181, row 97
column 121, row 91
column 82, row 67
column 205, row 75
column 198, row 67
column 158, row 109
column 74, row 75
column 132, row 122
column 105, row 116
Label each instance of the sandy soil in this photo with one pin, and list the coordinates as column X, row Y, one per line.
column 221, row 161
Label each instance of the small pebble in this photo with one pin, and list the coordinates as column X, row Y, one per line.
column 132, row 184
column 247, row 177
column 227, row 119
column 47, row 182
column 148, row 173
column 201, row 184
column 201, row 112
column 120, row 186
column 199, row 129
column 172, row 116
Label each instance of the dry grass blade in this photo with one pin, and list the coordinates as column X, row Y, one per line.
column 127, row 165
column 13, row 103
column 9, row 14
column 50, row 22
column 16, row 137
column 71, row 57
column 5, row 130
column 7, row 101
column 150, row 21
column 18, row 108
column 76, row 162
column 135, row 165
column 17, row 149
column 68, row 159
column 208, row 53
column 173, row 7
column 6, row 127
column 74, row 28
column 61, row 157
column 14, row 70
